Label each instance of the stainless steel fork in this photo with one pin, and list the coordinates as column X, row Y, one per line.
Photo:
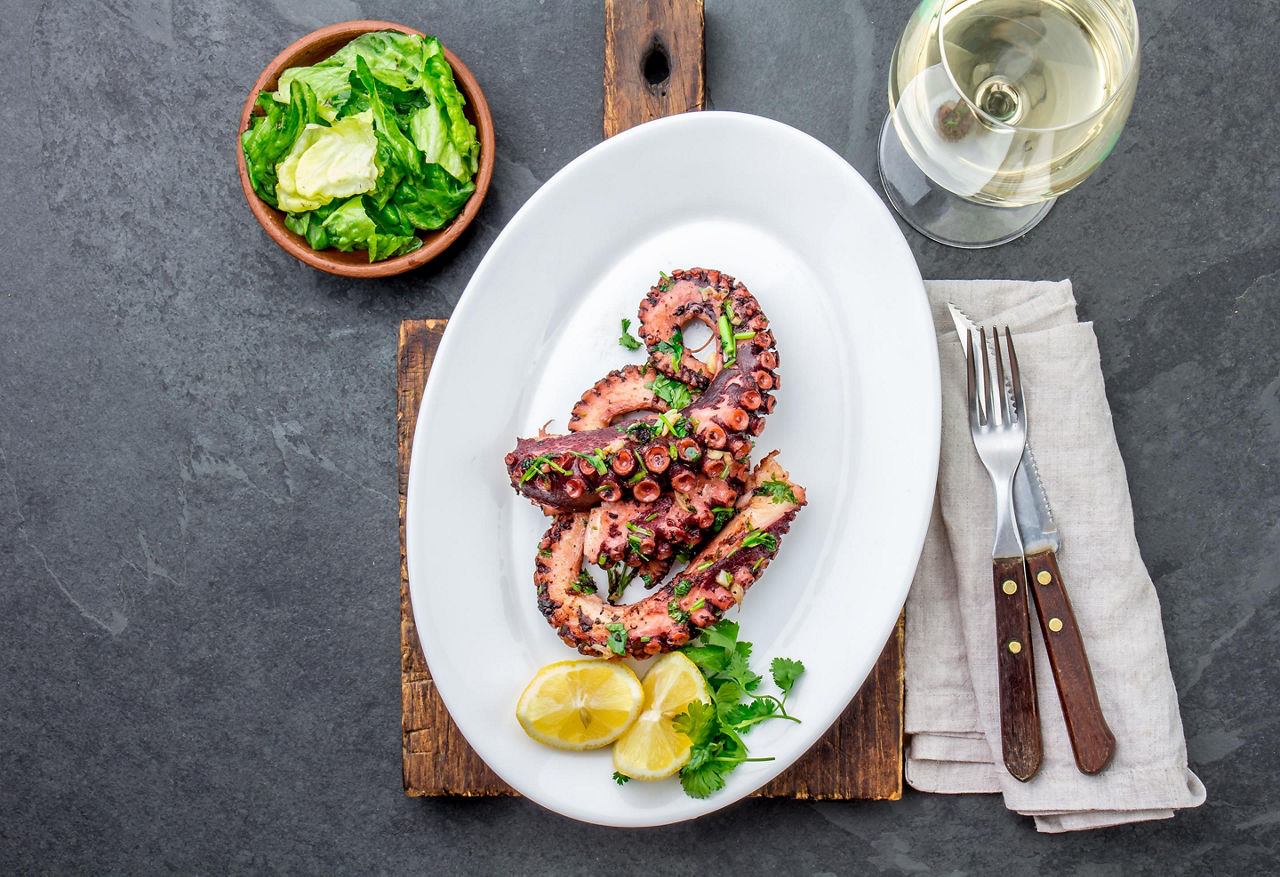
column 998, row 425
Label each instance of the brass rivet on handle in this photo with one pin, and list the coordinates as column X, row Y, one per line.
column 1009, row 586
column 1043, row 577
column 1015, row 646
column 1055, row 624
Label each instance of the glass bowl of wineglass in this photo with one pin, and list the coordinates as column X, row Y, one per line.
column 997, row 107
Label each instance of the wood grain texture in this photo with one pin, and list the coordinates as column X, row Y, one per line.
column 1092, row 742
column 634, row 31
column 435, row 757
column 860, row 756
column 1019, row 707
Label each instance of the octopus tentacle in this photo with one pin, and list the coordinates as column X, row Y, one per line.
column 621, row 391
column 724, row 418
column 715, row 579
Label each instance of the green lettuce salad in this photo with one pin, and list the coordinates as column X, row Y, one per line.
column 366, row 147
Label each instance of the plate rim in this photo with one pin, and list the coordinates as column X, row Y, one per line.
column 930, row 408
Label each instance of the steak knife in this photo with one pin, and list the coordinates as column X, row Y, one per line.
column 1092, row 742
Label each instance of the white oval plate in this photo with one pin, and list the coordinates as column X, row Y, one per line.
column 857, row 422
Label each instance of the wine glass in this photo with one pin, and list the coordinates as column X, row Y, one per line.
column 997, row 107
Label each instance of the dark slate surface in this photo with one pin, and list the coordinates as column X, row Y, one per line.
column 198, row 556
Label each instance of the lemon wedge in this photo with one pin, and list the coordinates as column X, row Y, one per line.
column 652, row 748
column 580, row 704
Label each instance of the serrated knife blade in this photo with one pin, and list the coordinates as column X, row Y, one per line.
column 1092, row 742
column 1031, row 503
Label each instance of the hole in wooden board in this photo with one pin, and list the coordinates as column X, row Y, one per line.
column 656, row 66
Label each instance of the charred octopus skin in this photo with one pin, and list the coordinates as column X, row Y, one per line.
column 620, row 392
column 640, row 459
column 715, row 580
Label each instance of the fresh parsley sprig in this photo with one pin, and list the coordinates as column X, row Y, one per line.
column 716, row 729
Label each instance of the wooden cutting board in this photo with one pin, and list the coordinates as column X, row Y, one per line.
column 653, row 67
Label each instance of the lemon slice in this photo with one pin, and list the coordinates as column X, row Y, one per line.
column 580, row 704
column 652, row 748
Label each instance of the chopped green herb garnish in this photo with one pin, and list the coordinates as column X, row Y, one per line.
column 665, row 283
column 619, row 576
column 681, row 427
column 651, row 517
column 705, row 565
column 641, row 530
column 674, row 610
column 777, row 490
column 743, row 336
column 621, row 778
column 639, row 431
column 544, row 552
column 759, row 537
column 674, row 346
column 756, row 566
column 584, row 584
column 533, row 467
column 617, row 640
column 636, row 546
column 671, row 391
column 723, row 514
column 698, row 604
column 596, row 459
column 626, row 339
column 727, row 346
column 682, row 587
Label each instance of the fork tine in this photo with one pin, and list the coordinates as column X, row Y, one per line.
column 1019, row 404
column 974, row 419
column 993, row 415
column 998, row 385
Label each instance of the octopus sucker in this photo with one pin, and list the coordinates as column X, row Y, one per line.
column 604, row 460
column 714, row 580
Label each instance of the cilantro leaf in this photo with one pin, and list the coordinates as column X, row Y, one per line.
column 697, row 722
column 702, row 781
column 722, row 634
column 709, row 659
column 626, row 339
column 743, row 715
column 785, row 671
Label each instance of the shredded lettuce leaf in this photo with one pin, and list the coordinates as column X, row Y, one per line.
column 367, row 147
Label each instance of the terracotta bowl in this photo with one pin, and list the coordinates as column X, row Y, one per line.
column 316, row 47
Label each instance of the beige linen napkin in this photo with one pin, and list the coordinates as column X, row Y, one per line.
column 952, row 705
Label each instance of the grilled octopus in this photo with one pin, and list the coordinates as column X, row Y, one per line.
column 714, row 580
column 638, row 485
column 652, row 455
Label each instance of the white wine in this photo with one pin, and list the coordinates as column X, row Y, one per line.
column 1013, row 102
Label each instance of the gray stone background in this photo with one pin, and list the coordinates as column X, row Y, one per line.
column 198, row 551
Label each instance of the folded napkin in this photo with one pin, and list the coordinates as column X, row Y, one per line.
column 952, row 701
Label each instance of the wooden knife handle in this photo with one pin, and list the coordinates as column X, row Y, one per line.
column 1091, row 739
column 1019, row 708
